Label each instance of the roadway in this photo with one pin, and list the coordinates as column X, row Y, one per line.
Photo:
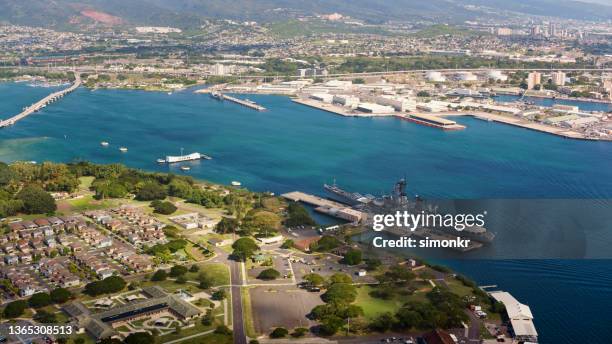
column 236, row 283
column 42, row 103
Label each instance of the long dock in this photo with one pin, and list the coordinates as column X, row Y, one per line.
column 525, row 124
column 326, row 206
column 248, row 103
column 316, row 201
column 42, row 103
column 335, row 109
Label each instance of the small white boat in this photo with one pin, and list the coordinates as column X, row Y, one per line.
column 123, row 149
column 185, row 168
column 161, row 161
column 169, row 93
column 236, row 183
column 104, row 143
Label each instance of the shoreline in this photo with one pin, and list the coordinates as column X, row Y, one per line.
column 542, row 128
column 579, row 99
column 516, row 122
column 334, row 109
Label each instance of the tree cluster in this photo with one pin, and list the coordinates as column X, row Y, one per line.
column 108, row 285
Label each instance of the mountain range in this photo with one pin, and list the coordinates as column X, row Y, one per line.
column 190, row 13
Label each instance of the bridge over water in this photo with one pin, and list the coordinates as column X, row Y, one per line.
column 42, row 103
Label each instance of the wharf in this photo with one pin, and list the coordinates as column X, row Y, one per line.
column 517, row 122
column 335, row 109
column 431, row 121
column 313, row 200
column 248, row 103
column 326, row 206
column 42, row 103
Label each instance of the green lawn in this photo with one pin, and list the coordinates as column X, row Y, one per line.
column 373, row 307
column 249, row 325
column 212, row 338
column 172, row 286
column 85, row 183
column 194, row 252
column 140, row 322
column 219, row 273
column 123, row 328
column 87, row 339
column 88, row 203
column 457, row 287
column 198, row 328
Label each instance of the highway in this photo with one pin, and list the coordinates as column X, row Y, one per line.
column 41, row 103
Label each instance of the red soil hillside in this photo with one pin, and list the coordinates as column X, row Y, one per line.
column 102, row 17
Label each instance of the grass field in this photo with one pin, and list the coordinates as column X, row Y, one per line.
column 217, row 271
column 198, row 328
column 82, row 338
column 87, row 202
column 85, row 183
column 457, row 287
column 247, row 309
column 373, row 307
column 212, row 338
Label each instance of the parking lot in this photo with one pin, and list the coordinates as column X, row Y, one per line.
column 285, row 306
column 326, row 265
column 280, row 263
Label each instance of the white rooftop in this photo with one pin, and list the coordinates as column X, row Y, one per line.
column 520, row 315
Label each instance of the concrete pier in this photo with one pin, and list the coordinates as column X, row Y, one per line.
column 248, row 103
column 326, row 206
column 313, row 200
column 41, row 103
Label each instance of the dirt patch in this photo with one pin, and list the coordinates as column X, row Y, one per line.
column 102, row 17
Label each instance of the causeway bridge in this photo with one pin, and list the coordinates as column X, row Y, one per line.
column 42, row 103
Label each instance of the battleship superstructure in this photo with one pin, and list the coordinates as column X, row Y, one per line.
column 398, row 200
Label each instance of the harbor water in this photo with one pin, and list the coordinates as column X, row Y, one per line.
column 292, row 147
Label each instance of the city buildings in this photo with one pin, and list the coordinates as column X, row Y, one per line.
column 534, row 79
column 558, row 78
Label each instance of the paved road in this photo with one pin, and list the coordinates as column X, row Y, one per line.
column 237, row 313
column 473, row 328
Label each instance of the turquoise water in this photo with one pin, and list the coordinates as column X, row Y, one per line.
column 292, row 147
column 584, row 106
